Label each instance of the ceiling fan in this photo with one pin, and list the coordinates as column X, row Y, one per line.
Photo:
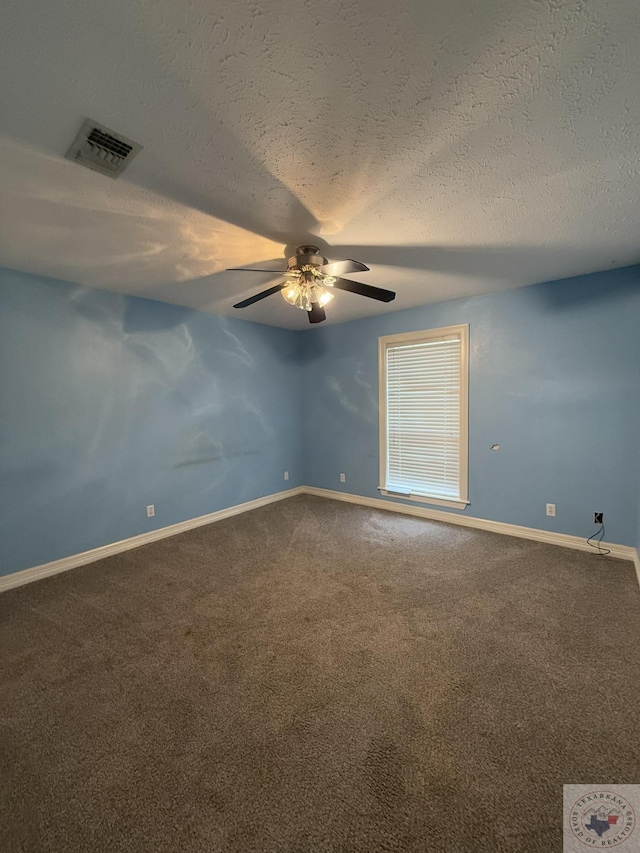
column 306, row 281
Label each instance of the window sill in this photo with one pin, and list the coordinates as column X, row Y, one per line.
column 409, row 496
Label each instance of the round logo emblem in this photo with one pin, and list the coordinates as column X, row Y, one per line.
column 601, row 818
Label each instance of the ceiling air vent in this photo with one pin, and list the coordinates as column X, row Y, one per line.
column 102, row 150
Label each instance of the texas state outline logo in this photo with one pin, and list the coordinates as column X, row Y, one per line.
column 601, row 818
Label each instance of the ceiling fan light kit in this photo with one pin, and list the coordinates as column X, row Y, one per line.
column 308, row 275
column 303, row 293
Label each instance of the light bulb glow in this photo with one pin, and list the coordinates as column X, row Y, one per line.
column 295, row 294
column 326, row 297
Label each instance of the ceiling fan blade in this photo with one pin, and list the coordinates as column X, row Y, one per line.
column 253, row 269
column 343, row 267
column 317, row 314
column 262, row 295
column 364, row 289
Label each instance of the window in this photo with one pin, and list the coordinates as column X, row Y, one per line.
column 423, row 415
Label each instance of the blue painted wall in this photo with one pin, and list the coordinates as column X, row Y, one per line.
column 110, row 403
column 554, row 379
column 638, row 524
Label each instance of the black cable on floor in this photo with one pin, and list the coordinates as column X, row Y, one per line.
column 602, row 552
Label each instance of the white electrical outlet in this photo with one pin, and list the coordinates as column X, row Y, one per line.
column 151, row 510
column 343, row 478
column 286, row 475
column 551, row 509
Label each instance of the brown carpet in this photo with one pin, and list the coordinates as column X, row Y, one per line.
column 316, row 676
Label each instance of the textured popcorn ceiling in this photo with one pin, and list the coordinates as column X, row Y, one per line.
column 456, row 147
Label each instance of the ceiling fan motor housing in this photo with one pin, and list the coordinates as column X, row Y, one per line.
column 306, row 255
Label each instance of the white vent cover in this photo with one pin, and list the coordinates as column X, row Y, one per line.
column 102, row 150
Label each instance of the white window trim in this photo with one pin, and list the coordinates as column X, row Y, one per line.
column 427, row 335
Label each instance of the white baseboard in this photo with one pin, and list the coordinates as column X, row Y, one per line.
column 625, row 552
column 66, row 563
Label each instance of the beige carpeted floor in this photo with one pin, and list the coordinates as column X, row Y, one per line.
column 316, row 676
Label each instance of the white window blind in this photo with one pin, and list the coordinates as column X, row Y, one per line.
column 424, row 416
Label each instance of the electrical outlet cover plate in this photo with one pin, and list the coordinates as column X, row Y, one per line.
column 598, row 517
